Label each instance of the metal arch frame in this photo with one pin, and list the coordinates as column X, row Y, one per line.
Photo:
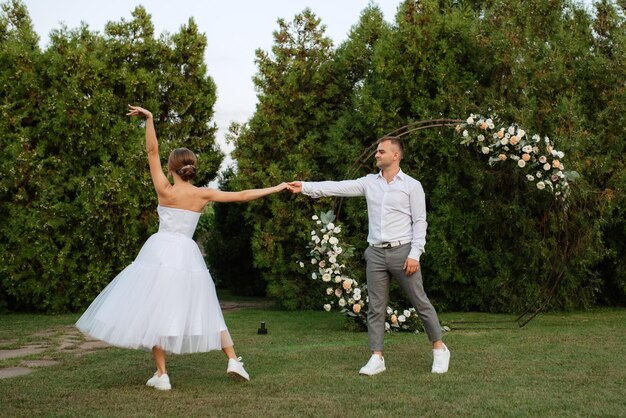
column 557, row 270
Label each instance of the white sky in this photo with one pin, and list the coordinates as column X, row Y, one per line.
column 234, row 30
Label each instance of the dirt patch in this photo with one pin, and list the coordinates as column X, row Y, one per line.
column 236, row 305
column 22, row 352
column 14, row 372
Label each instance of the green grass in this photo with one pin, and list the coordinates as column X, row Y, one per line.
column 558, row 365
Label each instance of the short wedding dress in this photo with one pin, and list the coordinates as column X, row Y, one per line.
column 165, row 298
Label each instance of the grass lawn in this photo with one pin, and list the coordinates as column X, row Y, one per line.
column 565, row 365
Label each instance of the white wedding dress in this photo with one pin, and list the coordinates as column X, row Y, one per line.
column 165, row 298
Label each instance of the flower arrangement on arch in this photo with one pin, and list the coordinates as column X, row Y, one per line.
column 327, row 264
column 540, row 161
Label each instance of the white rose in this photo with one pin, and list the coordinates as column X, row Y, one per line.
column 511, row 130
column 325, row 237
column 401, row 318
column 527, row 149
column 333, row 241
column 465, row 133
column 485, row 150
column 329, row 291
column 326, row 277
column 314, row 217
column 481, row 138
column 337, row 230
column 407, row 312
column 313, row 232
column 530, row 177
column 318, row 222
column 389, row 310
column 314, row 276
column 521, row 133
column 521, row 163
column 332, row 260
column 546, row 166
column 561, row 154
column 337, row 279
column 350, row 301
column 356, row 295
column 301, row 264
column 314, row 261
column 338, row 250
column 342, row 302
column 541, row 185
column 327, row 307
column 504, row 141
column 536, row 137
column 470, row 120
column 330, row 226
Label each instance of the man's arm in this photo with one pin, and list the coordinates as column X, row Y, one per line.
column 315, row 189
column 417, row 200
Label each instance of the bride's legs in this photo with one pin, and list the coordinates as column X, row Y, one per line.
column 228, row 346
column 235, row 367
column 159, row 359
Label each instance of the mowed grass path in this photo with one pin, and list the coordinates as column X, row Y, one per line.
column 563, row 365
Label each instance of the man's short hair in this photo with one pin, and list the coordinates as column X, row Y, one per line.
column 395, row 141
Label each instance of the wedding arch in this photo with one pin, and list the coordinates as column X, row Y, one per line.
column 536, row 156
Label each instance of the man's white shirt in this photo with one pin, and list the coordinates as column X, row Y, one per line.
column 396, row 210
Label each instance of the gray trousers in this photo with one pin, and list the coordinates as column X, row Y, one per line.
column 382, row 263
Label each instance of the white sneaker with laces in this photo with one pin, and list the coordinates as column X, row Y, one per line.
column 375, row 365
column 441, row 360
column 159, row 382
column 236, row 371
column 153, row 379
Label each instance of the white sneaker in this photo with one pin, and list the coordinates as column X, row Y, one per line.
column 236, row 371
column 375, row 365
column 441, row 360
column 159, row 382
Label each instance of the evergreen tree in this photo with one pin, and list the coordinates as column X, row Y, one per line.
column 83, row 202
column 298, row 99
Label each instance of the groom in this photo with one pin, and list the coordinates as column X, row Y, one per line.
column 397, row 234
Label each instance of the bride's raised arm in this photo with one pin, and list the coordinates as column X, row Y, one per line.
column 161, row 184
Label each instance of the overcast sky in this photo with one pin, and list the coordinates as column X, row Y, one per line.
column 234, row 30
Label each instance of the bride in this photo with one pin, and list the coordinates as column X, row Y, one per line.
column 165, row 300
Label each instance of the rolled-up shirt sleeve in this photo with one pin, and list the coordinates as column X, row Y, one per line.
column 418, row 218
column 345, row 188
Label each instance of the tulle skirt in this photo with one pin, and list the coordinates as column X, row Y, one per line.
column 165, row 298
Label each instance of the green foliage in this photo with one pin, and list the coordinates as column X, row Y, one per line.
column 77, row 199
column 494, row 244
column 227, row 246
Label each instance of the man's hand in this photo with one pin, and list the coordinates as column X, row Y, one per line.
column 411, row 266
column 295, row 187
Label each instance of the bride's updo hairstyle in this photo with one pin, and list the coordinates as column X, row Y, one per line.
column 183, row 162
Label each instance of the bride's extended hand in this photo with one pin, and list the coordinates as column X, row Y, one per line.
column 138, row 111
column 282, row 186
